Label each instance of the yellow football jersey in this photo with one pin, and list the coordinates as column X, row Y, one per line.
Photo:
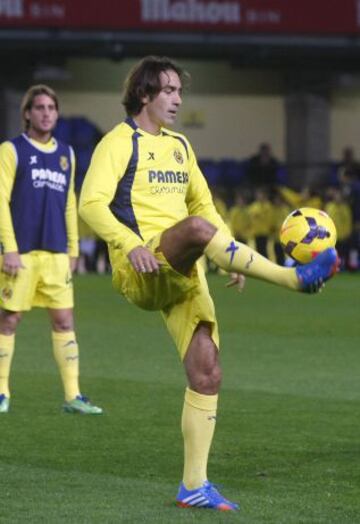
column 262, row 218
column 9, row 169
column 240, row 222
column 300, row 199
column 342, row 217
column 139, row 184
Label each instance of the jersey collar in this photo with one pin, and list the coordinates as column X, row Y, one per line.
column 131, row 122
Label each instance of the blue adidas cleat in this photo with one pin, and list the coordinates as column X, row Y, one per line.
column 207, row 496
column 313, row 275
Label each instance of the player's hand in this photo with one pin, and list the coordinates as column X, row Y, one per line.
column 73, row 263
column 11, row 264
column 143, row 260
column 238, row 280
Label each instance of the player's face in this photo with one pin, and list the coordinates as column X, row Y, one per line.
column 42, row 116
column 162, row 110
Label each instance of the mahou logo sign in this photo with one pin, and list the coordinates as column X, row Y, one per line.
column 190, row 11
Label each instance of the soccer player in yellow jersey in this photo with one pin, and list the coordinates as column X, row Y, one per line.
column 261, row 213
column 340, row 211
column 146, row 196
column 39, row 241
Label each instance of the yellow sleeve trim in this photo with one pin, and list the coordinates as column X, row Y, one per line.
column 8, row 164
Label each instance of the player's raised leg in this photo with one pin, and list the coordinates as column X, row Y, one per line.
column 66, row 353
column 183, row 243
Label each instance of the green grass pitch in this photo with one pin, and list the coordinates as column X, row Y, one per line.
column 287, row 443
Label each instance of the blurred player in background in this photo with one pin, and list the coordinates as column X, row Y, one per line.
column 340, row 211
column 261, row 212
column 39, row 241
column 145, row 195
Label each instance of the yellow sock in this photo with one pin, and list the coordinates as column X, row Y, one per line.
column 198, row 426
column 7, row 345
column 66, row 353
column 236, row 257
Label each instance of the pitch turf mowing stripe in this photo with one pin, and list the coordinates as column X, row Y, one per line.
column 46, row 495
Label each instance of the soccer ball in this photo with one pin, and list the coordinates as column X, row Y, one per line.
column 306, row 232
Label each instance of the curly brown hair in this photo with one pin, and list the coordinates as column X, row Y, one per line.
column 144, row 80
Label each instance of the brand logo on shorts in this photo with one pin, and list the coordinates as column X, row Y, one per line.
column 64, row 163
column 178, row 156
column 68, row 280
column 6, row 293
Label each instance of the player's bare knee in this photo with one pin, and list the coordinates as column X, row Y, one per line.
column 206, row 375
column 206, row 381
column 9, row 321
column 62, row 326
column 213, row 380
column 199, row 231
column 62, row 320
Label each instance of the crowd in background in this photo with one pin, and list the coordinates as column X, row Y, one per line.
column 252, row 195
column 256, row 218
column 256, row 208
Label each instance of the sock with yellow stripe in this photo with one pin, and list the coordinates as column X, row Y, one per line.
column 7, row 345
column 198, row 426
column 66, row 353
column 236, row 257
